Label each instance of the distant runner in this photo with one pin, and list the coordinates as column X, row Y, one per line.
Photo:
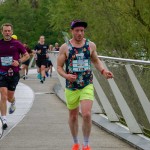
column 41, row 51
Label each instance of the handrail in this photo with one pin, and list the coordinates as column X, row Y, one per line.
column 120, row 59
column 125, row 60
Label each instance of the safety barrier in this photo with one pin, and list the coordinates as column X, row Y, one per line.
column 126, row 97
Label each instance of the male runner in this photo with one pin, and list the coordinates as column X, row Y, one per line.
column 49, row 62
column 77, row 56
column 25, row 64
column 41, row 50
column 10, row 51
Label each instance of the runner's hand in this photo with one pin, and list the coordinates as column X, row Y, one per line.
column 108, row 74
column 39, row 51
column 71, row 77
column 15, row 63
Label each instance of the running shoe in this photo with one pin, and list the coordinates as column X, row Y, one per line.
column 76, row 147
column 12, row 108
column 24, row 77
column 86, row 147
column 39, row 76
column 42, row 81
column 4, row 124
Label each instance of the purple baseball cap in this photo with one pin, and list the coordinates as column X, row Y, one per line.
column 78, row 23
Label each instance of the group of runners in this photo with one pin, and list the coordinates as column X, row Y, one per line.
column 41, row 57
column 14, row 56
column 77, row 55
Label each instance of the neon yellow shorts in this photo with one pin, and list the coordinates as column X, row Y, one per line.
column 73, row 97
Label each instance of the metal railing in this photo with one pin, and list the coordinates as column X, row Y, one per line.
column 126, row 98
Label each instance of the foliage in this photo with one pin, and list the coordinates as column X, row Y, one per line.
column 119, row 28
column 29, row 22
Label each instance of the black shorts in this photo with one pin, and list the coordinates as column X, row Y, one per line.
column 49, row 63
column 27, row 62
column 9, row 82
column 39, row 63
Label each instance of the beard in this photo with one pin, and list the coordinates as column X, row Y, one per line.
column 7, row 37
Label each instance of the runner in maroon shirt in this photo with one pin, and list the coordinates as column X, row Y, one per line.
column 10, row 51
column 25, row 64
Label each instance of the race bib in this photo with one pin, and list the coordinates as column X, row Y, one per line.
column 6, row 61
column 80, row 64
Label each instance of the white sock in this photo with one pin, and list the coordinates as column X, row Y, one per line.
column 13, row 103
column 4, row 119
column 75, row 139
column 86, row 141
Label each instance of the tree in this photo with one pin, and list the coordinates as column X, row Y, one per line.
column 113, row 25
column 29, row 23
column 119, row 28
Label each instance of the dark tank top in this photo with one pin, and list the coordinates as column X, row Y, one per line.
column 79, row 64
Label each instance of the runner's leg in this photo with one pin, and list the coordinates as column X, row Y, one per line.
column 86, row 106
column 73, row 124
column 3, row 106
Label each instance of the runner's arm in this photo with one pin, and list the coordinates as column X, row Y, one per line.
column 25, row 57
column 94, row 58
column 62, row 56
column 61, row 61
column 98, row 63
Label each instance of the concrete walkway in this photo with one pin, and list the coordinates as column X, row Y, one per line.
column 45, row 126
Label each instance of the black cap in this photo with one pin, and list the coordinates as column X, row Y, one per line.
column 78, row 23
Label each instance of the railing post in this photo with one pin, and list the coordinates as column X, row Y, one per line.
column 126, row 112
column 139, row 91
column 105, row 102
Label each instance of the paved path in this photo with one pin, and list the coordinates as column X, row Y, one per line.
column 45, row 126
